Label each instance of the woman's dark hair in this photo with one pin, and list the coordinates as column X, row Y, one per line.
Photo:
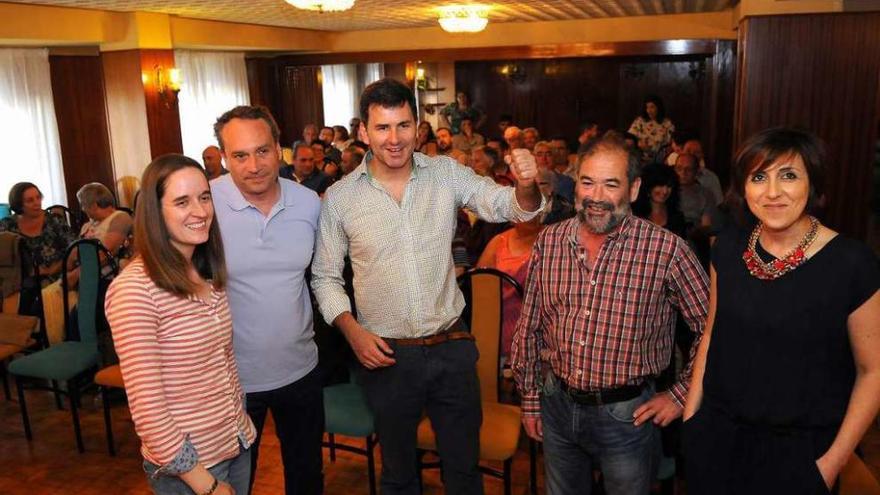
column 431, row 136
column 652, row 176
column 387, row 93
column 166, row 267
column 661, row 109
column 16, row 196
column 343, row 132
column 765, row 148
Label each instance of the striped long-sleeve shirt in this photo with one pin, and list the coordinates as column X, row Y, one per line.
column 179, row 372
column 611, row 325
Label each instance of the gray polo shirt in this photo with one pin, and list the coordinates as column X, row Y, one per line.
column 267, row 258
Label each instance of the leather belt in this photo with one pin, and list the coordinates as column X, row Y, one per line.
column 456, row 331
column 601, row 397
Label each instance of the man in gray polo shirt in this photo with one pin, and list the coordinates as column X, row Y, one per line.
column 394, row 216
column 268, row 227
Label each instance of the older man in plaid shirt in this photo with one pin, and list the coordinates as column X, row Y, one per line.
column 597, row 326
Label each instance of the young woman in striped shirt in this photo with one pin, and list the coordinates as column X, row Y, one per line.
column 173, row 332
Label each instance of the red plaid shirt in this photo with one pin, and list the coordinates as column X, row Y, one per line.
column 613, row 325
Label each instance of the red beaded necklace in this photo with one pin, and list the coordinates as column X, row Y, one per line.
column 780, row 266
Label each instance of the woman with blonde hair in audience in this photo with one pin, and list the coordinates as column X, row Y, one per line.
column 786, row 379
column 173, row 332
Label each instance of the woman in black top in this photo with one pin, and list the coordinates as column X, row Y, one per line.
column 658, row 199
column 787, row 377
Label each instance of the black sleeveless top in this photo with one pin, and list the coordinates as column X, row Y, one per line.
column 780, row 352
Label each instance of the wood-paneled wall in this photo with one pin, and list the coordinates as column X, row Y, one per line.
column 78, row 93
column 822, row 72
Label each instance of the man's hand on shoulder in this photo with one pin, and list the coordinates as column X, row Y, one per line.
column 662, row 408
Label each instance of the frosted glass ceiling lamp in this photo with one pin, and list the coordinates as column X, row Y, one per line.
column 322, row 5
column 463, row 18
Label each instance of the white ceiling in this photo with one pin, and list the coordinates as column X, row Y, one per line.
column 387, row 14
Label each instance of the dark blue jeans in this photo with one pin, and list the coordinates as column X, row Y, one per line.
column 235, row 471
column 577, row 436
column 442, row 381
column 298, row 411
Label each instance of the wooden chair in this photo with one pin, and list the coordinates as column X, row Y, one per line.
column 500, row 431
column 857, row 479
column 107, row 379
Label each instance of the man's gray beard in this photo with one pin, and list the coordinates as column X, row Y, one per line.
column 614, row 220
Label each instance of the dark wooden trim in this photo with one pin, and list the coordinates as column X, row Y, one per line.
column 569, row 50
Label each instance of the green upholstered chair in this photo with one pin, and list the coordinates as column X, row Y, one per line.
column 346, row 413
column 70, row 362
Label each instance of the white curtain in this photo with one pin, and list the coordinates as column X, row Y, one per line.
column 340, row 90
column 373, row 72
column 211, row 84
column 28, row 130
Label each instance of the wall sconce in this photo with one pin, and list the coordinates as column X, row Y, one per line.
column 165, row 81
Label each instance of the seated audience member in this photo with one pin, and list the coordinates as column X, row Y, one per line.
column 530, row 137
column 589, row 132
column 364, row 147
column 668, row 154
column 45, row 235
column 651, row 128
column 705, row 177
column 354, row 126
column 505, row 120
column 426, row 141
column 351, row 158
column 195, row 433
column 513, row 137
column 341, row 139
column 697, row 204
column 444, row 146
column 305, row 171
column 467, row 139
column 658, row 199
column 326, row 134
column 509, row 252
column 499, row 145
column 325, row 153
column 544, row 158
column 213, row 162
column 481, row 162
column 111, row 227
column 558, row 208
column 309, row 134
column 499, row 171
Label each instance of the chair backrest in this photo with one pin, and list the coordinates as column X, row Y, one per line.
column 482, row 288
column 21, row 282
column 127, row 188
column 73, row 219
column 89, row 253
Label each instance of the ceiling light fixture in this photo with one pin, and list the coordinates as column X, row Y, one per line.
column 322, row 5
column 464, row 18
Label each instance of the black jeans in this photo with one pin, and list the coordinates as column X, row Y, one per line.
column 442, row 381
column 298, row 411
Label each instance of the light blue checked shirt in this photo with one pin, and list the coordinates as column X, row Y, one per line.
column 404, row 279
